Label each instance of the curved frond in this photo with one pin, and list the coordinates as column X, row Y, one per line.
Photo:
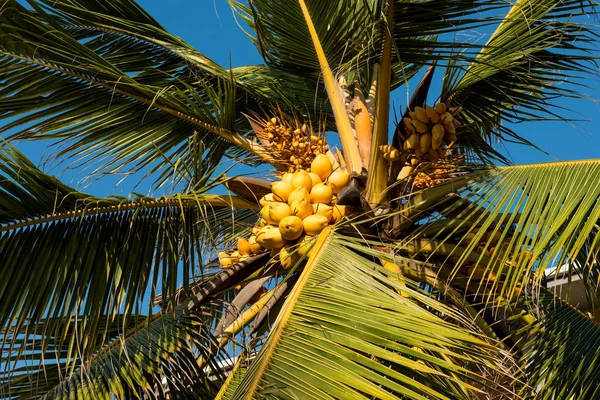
column 345, row 332
column 515, row 222
column 152, row 358
column 539, row 52
column 114, row 96
column 562, row 353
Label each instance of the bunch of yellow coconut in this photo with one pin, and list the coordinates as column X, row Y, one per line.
column 298, row 208
column 427, row 132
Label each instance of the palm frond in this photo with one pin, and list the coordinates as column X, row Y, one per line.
column 561, row 356
column 151, row 359
column 538, row 53
column 517, row 221
column 344, row 331
column 91, row 260
column 111, row 95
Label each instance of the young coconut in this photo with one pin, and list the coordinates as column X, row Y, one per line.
column 321, row 193
column 338, row 180
column 305, row 243
column 323, row 209
column 275, row 212
column 291, row 227
column 282, row 189
column 288, row 257
column 315, row 178
column 314, row 224
column 302, row 178
column 244, row 247
column 255, row 247
column 270, row 237
column 338, row 213
column 321, row 166
column 298, row 194
column 302, row 208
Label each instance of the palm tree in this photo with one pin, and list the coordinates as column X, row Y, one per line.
column 427, row 283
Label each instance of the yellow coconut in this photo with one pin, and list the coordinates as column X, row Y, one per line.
column 321, row 193
column 302, row 178
column 291, row 227
column 225, row 259
column 321, row 166
column 315, row 178
column 338, row 213
column 305, row 243
column 267, row 198
column 338, row 180
column 270, row 237
column 287, row 177
column 275, row 212
column 288, row 257
column 413, row 141
column 323, row 209
column 440, row 108
column 302, row 208
column 255, row 247
column 421, row 115
column 298, row 194
column 425, row 142
column 314, row 224
column 432, row 114
column 282, row 189
column 244, row 246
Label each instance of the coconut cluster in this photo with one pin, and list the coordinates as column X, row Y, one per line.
column 428, row 132
column 295, row 147
column 298, row 208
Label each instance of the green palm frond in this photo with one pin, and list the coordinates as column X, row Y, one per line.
column 517, row 221
column 233, row 380
column 343, row 28
column 152, row 358
column 111, row 97
column 561, row 356
column 76, row 255
column 541, row 51
column 345, row 332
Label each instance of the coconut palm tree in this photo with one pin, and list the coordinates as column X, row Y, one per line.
column 421, row 275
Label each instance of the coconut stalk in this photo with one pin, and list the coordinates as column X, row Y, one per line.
column 377, row 178
column 362, row 125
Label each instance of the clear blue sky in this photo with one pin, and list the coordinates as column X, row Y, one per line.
column 211, row 28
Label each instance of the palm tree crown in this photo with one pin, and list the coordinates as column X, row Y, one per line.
column 408, row 263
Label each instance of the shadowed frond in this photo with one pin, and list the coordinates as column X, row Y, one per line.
column 562, row 353
column 92, row 260
column 154, row 357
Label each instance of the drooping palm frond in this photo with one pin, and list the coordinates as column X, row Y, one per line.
column 115, row 90
column 345, row 332
column 90, row 261
column 561, row 356
column 153, row 357
column 517, row 221
column 540, row 52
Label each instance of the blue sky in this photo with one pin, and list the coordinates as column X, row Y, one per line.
column 210, row 27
